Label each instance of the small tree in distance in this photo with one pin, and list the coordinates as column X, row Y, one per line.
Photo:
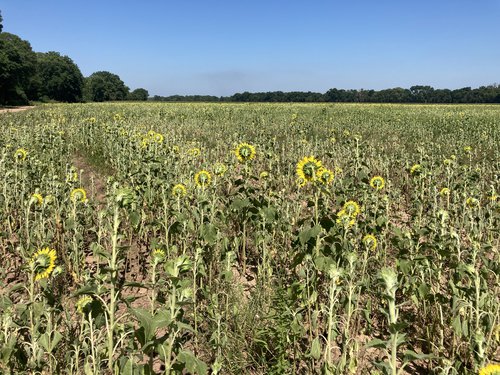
column 139, row 95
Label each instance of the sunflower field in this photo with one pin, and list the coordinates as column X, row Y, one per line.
column 167, row 238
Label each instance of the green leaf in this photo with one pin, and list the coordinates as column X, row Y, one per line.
column 316, row 348
column 209, row 233
column 410, row 355
column 192, row 364
column 377, row 343
column 146, row 320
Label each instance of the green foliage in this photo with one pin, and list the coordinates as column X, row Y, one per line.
column 104, row 86
column 254, row 271
column 57, row 78
column 17, row 67
column 138, row 95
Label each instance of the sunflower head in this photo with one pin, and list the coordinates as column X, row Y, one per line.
column 472, row 202
column 264, row 175
column 220, row 169
column 158, row 138
column 308, row 168
column 245, row 152
column 377, row 183
column 351, row 208
column 344, row 219
column 179, row 190
column 36, row 199
column 43, row 263
column 325, row 176
column 20, row 154
column 203, row 178
column 194, row 152
column 370, row 242
column 491, row 369
column 444, row 192
column 416, row 169
column 158, row 256
column 78, row 195
column 83, row 304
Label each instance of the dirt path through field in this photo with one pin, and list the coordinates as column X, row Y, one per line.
column 16, row 109
column 93, row 183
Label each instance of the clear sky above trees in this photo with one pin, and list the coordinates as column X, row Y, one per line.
column 223, row 47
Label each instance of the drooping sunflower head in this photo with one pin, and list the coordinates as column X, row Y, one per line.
column 370, row 241
column 472, row 202
column 20, row 154
column 351, row 208
column 43, row 263
column 308, row 168
column 264, row 175
column 444, row 192
column 78, row 195
column 416, row 169
column 377, row 183
column 245, row 152
column 36, row 199
column 220, row 169
column 325, row 176
column 83, row 304
column 203, row 178
column 179, row 190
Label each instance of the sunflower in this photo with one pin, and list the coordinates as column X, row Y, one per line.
column 203, row 178
column 472, row 202
column 377, row 183
column 179, row 190
column 351, row 208
column 78, row 195
column 264, row 175
column 158, row 256
column 245, row 152
column 444, row 192
column 344, row 219
column 416, row 169
column 370, row 242
column 325, row 176
column 220, row 169
column 158, row 138
column 37, row 198
column 20, row 154
column 83, row 304
column 308, row 168
column 194, row 152
column 43, row 263
column 491, row 369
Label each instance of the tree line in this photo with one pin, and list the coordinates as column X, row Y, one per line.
column 415, row 94
column 26, row 76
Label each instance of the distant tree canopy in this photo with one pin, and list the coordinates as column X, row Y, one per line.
column 104, row 86
column 138, row 95
column 1, row 22
column 57, row 78
column 17, row 66
column 415, row 94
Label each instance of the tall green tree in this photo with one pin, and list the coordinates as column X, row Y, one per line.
column 104, row 86
column 1, row 22
column 139, row 95
column 17, row 67
column 58, row 78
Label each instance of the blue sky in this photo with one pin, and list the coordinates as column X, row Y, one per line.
column 221, row 47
